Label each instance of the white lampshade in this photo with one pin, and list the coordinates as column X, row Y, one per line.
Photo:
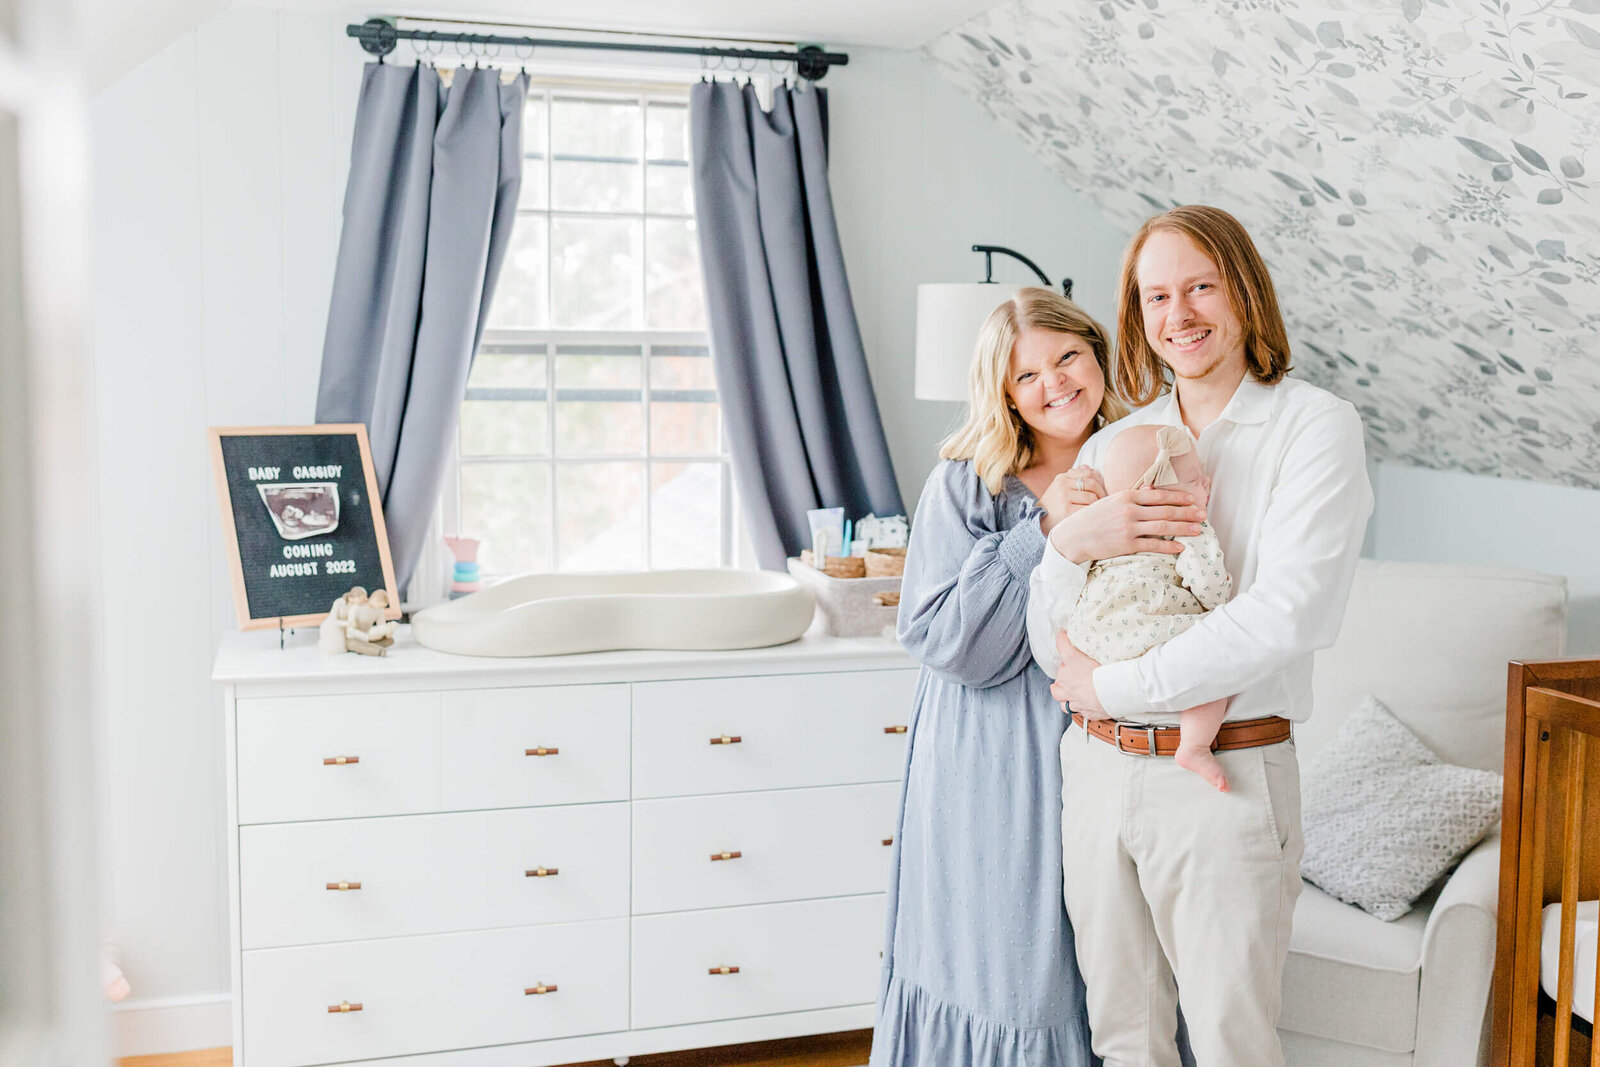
column 949, row 316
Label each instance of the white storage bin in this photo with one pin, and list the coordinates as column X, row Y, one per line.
column 845, row 607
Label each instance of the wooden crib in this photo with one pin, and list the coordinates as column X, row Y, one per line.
column 1550, row 851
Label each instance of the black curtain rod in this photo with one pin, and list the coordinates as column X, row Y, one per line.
column 379, row 37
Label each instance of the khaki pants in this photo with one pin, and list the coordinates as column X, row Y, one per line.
column 1172, row 885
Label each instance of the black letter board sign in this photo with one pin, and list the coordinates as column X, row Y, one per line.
column 301, row 513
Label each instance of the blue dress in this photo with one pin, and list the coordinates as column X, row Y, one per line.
column 979, row 966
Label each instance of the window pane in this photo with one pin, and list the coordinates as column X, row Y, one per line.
column 597, row 264
column 683, row 428
column 594, row 186
column 681, row 367
column 599, row 428
column 507, row 368
column 534, row 125
column 676, row 299
column 533, row 194
column 595, row 128
column 507, row 506
column 602, row 516
column 599, row 410
column 504, row 428
column 667, row 190
column 666, row 131
column 686, row 515
column 519, row 297
column 576, row 369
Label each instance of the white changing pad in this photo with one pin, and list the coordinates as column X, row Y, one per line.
column 1586, row 937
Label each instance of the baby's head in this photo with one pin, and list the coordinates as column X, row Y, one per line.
column 1135, row 450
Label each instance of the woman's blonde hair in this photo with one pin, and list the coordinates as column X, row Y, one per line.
column 994, row 437
column 1140, row 372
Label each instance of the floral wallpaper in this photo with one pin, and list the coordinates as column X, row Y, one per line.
column 1420, row 175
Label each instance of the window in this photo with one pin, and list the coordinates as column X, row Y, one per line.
column 590, row 437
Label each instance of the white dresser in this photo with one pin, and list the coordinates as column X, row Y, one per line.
column 511, row 863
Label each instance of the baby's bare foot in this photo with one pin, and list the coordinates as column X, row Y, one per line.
column 1202, row 761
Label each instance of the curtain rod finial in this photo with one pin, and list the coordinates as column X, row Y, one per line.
column 377, row 37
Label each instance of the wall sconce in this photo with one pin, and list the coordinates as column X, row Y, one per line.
column 949, row 315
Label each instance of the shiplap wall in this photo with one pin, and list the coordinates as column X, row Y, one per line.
column 219, row 171
column 218, row 168
column 920, row 174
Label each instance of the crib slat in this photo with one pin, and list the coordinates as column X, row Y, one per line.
column 1525, row 976
column 1594, row 1046
column 1577, row 748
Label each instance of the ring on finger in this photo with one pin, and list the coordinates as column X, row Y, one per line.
column 1078, row 484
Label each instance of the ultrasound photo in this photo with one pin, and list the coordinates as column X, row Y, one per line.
column 302, row 509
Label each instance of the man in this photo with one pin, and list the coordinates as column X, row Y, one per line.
column 1171, row 884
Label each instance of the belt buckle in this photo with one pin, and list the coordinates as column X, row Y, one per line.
column 1149, row 737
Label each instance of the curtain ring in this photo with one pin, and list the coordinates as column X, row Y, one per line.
column 754, row 63
column 488, row 54
column 522, row 57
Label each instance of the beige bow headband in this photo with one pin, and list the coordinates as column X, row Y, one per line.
column 1170, row 441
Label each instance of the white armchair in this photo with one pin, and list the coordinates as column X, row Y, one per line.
column 1432, row 642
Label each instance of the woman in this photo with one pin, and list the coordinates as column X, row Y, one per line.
column 979, row 966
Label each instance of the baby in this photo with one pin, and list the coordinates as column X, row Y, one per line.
column 1130, row 604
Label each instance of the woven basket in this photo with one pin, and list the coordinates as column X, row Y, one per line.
column 838, row 566
column 885, row 562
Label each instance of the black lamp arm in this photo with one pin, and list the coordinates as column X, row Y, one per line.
column 988, row 265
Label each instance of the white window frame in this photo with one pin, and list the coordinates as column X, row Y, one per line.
column 580, row 78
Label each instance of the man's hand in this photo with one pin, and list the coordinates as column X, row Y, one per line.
column 1074, row 684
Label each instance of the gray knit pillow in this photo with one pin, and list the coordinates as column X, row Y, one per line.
column 1384, row 818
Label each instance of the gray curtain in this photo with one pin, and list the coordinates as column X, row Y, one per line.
column 434, row 176
column 803, row 424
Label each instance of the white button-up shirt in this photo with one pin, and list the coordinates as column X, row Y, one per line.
column 1290, row 500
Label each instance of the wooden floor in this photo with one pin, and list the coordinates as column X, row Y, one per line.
column 826, row 1050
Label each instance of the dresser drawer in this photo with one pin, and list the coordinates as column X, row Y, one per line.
column 788, row 845
column 781, row 731
column 428, row 994
column 790, row 957
column 423, row 874
column 289, row 748
column 520, row 747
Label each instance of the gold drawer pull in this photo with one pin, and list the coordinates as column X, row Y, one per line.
column 340, row 761
column 724, row 970
column 726, row 740
column 888, row 841
column 344, row 1007
column 541, row 752
column 542, row 872
column 344, row 887
column 894, row 729
column 715, row 856
column 539, row 990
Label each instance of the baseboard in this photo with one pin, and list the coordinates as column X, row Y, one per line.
column 145, row 1026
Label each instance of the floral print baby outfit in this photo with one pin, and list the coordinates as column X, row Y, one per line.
column 1130, row 604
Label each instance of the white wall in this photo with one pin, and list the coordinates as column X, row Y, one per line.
column 1450, row 517
column 920, row 174
column 216, row 182
column 219, row 168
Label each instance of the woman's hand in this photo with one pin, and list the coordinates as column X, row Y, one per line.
column 1074, row 684
column 1134, row 520
column 1067, row 492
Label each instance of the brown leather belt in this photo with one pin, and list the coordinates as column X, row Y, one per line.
column 1137, row 738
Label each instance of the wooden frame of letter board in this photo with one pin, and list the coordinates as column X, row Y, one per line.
column 231, row 533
